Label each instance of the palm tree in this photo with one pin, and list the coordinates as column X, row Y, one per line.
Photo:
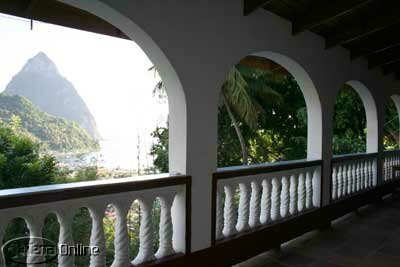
column 240, row 95
column 245, row 86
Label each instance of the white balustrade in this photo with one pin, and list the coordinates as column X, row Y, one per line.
column 169, row 241
column 352, row 176
column 265, row 199
column 390, row 160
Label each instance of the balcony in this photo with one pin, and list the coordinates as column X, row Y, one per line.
column 277, row 203
column 324, row 210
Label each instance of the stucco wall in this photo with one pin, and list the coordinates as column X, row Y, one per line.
column 194, row 43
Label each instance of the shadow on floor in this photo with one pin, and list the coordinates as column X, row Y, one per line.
column 368, row 238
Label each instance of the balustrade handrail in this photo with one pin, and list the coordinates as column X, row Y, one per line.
column 237, row 171
column 392, row 151
column 10, row 198
column 353, row 156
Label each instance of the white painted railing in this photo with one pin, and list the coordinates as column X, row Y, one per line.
column 273, row 193
column 390, row 159
column 65, row 200
column 352, row 174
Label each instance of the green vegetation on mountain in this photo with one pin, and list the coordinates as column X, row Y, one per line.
column 56, row 134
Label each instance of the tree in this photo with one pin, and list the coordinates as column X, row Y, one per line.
column 349, row 123
column 159, row 149
column 240, row 94
column 21, row 164
column 391, row 127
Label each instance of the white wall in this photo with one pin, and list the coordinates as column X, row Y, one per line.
column 194, row 43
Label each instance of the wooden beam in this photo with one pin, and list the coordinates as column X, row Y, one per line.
column 390, row 68
column 385, row 57
column 55, row 12
column 379, row 42
column 321, row 12
column 366, row 27
column 252, row 5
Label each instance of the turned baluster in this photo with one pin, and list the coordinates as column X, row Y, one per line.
column 219, row 223
column 229, row 212
column 301, row 203
column 254, row 219
column 275, row 199
column 358, row 178
column 244, row 204
column 65, row 238
column 146, row 240
column 2, row 227
column 166, row 228
column 364, row 174
column 97, row 238
column 121, row 241
column 309, row 190
column 349, row 179
column 345, row 180
column 35, row 226
column 285, row 197
column 354, row 176
column 265, row 215
column 374, row 173
column 366, row 169
column 316, row 184
column 334, row 182
column 340, row 182
column 293, row 194
column 370, row 173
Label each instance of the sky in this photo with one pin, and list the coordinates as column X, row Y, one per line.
column 110, row 74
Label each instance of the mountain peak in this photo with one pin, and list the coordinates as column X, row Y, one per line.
column 40, row 63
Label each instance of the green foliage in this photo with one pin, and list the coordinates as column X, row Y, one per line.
column 55, row 133
column 280, row 131
column 159, row 149
column 391, row 127
column 349, row 123
column 21, row 164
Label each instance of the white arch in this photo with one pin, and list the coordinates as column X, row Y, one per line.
column 176, row 97
column 314, row 109
column 371, row 114
column 396, row 101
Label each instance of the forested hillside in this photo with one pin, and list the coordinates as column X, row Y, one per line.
column 55, row 133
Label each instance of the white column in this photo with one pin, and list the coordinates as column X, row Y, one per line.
column 165, row 233
column 309, row 190
column 244, row 202
column 275, row 199
column 219, row 217
column 35, row 226
column 97, row 237
column 334, row 182
column 301, row 203
column 316, row 182
column 121, row 240
column 65, row 218
column 293, row 194
column 146, row 240
column 285, row 197
column 229, row 212
column 345, row 180
column 265, row 216
column 254, row 217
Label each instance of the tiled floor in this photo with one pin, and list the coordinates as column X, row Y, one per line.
column 369, row 238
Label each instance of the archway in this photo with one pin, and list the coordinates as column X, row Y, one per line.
column 176, row 97
column 269, row 111
column 355, row 128
column 392, row 123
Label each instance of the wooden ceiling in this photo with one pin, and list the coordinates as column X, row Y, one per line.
column 54, row 12
column 367, row 28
